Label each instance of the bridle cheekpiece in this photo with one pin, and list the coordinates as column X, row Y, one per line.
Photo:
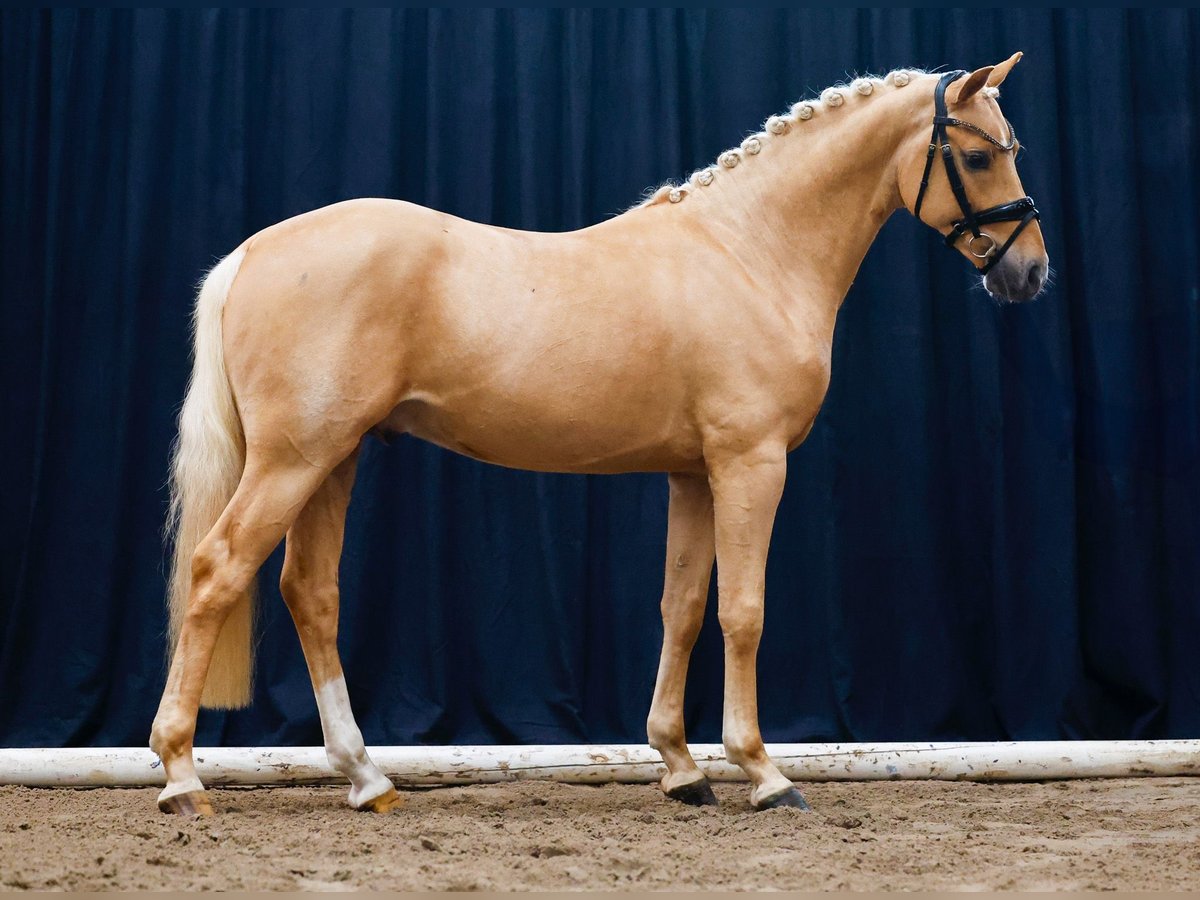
column 981, row 245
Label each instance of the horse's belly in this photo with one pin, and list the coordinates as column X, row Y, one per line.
column 545, row 439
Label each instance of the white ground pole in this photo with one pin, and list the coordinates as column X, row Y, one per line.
column 630, row 764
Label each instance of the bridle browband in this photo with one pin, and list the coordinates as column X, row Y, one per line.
column 1022, row 211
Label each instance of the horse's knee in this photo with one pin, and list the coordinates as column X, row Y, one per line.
column 683, row 610
column 741, row 624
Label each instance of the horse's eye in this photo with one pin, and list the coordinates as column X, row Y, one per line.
column 977, row 159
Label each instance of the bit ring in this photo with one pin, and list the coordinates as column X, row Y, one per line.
column 991, row 248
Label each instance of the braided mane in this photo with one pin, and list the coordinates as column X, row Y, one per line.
column 778, row 126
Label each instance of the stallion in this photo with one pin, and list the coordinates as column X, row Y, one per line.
column 690, row 335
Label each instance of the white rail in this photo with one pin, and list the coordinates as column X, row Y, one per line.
column 592, row 764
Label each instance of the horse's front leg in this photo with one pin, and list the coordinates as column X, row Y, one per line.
column 746, row 489
column 685, row 589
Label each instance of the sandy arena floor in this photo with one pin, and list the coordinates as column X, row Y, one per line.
column 1128, row 834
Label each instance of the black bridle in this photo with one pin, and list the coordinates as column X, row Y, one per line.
column 1022, row 211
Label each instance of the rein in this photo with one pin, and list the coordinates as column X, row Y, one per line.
column 1023, row 211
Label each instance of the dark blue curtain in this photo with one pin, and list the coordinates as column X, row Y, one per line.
column 992, row 532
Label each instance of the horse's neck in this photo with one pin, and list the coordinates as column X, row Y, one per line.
column 810, row 205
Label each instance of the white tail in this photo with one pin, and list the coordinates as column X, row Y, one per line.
column 206, row 465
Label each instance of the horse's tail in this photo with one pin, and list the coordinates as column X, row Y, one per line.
column 206, row 465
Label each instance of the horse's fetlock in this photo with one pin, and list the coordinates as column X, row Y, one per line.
column 169, row 734
column 741, row 750
column 661, row 734
column 345, row 757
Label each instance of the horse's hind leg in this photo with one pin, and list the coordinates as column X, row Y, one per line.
column 690, row 551
column 310, row 589
column 273, row 489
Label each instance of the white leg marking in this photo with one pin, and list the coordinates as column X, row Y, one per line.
column 344, row 744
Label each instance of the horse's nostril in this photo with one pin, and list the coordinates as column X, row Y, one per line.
column 1036, row 275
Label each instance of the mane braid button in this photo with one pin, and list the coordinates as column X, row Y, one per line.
column 900, row 79
column 863, row 86
column 752, row 145
column 776, row 125
column 705, row 177
column 729, row 159
column 804, row 111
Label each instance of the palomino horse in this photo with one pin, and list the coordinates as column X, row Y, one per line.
column 690, row 335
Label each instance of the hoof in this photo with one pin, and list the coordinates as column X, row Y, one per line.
column 384, row 803
column 791, row 797
column 697, row 793
column 191, row 803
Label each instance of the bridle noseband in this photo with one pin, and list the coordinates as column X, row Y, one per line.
column 1022, row 211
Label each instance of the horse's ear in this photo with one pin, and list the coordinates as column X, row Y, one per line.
column 966, row 88
column 1000, row 72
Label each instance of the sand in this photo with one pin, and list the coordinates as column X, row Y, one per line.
column 1126, row 834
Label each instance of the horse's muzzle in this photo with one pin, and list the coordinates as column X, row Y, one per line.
column 1017, row 278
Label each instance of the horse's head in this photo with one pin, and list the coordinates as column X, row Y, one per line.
column 963, row 181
